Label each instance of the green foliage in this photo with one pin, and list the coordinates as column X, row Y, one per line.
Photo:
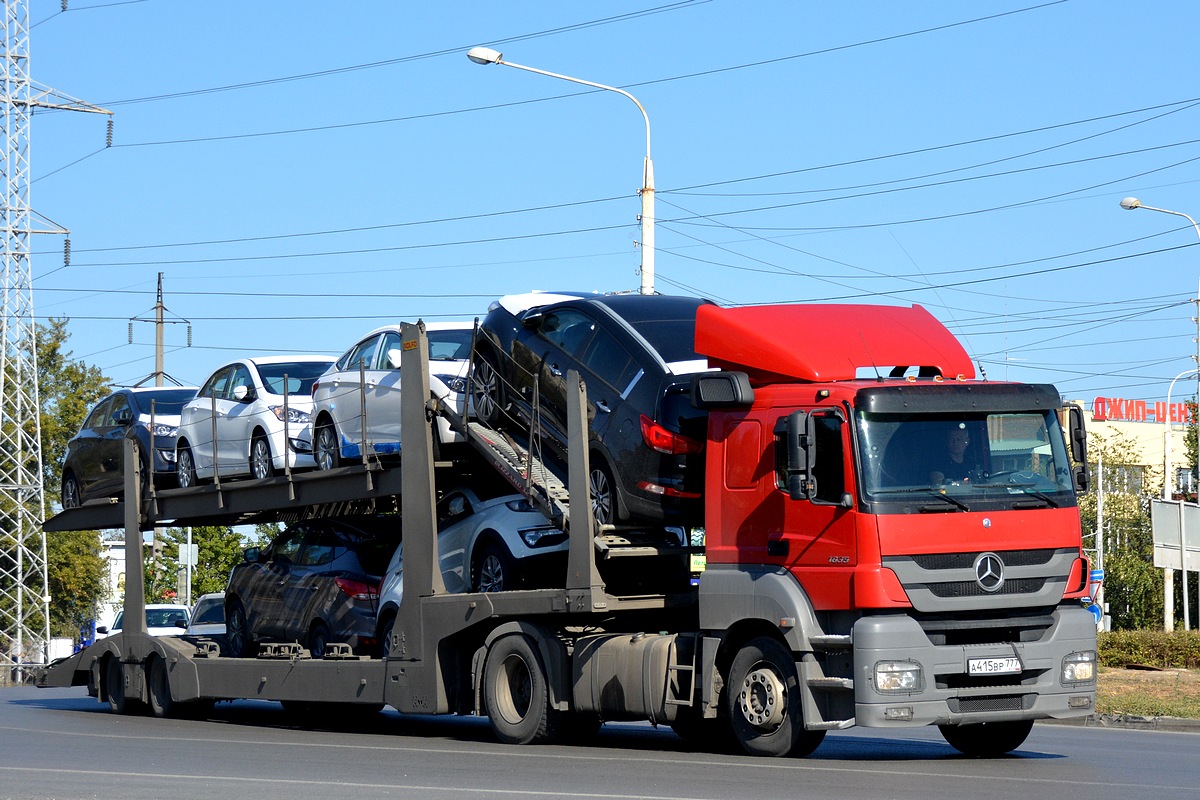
column 218, row 548
column 77, row 576
column 67, row 389
column 1132, row 585
column 1177, row 649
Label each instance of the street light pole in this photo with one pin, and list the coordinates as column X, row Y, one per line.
column 1167, row 493
column 486, row 55
column 1129, row 204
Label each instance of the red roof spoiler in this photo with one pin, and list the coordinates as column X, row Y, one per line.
column 827, row 342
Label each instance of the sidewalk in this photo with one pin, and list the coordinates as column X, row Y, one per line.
column 1131, row 722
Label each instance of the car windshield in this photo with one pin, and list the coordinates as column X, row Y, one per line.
column 449, row 345
column 168, row 403
column 1012, row 453
column 300, row 376
column 210, row 612
column 164, row 617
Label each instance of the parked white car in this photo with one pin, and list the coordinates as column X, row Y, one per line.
column 262, row 425
column 367, row 376
column 162, row 619
column 483, row 546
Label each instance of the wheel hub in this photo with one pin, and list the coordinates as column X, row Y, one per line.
column 762, row 699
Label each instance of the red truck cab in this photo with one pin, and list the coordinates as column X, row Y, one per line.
column 912, row 532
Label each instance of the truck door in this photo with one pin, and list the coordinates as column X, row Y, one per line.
column 815, row 538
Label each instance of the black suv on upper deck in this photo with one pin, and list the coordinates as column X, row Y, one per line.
column 636, row 354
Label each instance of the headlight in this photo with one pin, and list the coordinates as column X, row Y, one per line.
column 543, row 537
column 1079, row 667
column 454, row 383
column 159, row 429
column 294, row 417
column 899, row 677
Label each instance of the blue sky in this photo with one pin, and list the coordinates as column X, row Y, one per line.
column 302, row 172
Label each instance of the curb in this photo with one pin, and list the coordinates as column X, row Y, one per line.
column 1131, row 722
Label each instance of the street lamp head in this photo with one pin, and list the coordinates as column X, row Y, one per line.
column 1130, row 203
column 484, row 55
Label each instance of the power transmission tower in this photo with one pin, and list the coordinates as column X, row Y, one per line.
column 24, row 591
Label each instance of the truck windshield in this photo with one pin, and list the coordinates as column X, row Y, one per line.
column 964, row 453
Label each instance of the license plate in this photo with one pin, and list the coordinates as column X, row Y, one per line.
column 994, row 666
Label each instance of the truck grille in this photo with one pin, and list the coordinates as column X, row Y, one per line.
column 948, row 583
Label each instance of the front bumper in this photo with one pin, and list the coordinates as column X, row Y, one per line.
column 947, row 694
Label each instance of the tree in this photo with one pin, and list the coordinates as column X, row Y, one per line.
column 78, row 577
column 219, row 548
column 1132, row 585
column 67, row 389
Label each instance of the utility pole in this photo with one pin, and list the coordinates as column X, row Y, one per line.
column 160, row 322
column 24, row 588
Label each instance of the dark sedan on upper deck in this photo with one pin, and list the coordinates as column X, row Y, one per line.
column 636, row 355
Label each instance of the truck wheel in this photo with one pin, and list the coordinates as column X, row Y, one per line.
column 159, row 689
column 515, row 693
column 185, row 468
column 237, row 631
column 494, row 570
column 261, row 464
column 987, row 739
column 763, row 702
column 487, row 396
column 325, row 447
column 114, row 686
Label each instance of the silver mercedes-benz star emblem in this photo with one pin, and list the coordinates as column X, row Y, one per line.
column 989, row 572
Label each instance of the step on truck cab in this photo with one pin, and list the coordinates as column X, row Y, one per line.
column 911, row 538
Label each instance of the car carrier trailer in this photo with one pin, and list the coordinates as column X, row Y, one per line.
column 830, row 600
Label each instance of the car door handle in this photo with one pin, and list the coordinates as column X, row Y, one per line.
column 603, row 406
column 555, row 371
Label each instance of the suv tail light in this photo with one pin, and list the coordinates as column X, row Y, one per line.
column 358, row 590
column 664, row 441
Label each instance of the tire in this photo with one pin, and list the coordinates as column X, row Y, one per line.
column 987, row 739
column 516, row 695
column 318, row 639
column 763, row 701
column 261, row 465
column 71, row 496
column 383, row 635
column 710, row 735
column 185, row 468
column 487, row 394
column 603, row 491
column 158, row 686
column 494, row 570
column 114, row 686
column 325, row 447
column 237, row 631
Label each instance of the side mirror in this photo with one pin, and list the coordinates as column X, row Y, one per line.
column 721, row 389
column 1077, row 439
column 795, row 454
column 252, row 555
column 393, row 358
column 243, row 394
column 181, row 623
column 102, row 629
column 124, row 416
column 532, row 320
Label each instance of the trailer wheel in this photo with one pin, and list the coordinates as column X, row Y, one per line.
column 763, row 701
column 114, row 686
column 515, row 693
column 237, row 631
column 159, row 689
column 987, row 739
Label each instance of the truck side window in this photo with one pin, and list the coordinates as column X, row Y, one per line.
column 829, row 470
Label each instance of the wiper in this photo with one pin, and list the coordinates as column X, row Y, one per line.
column 929, row 490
